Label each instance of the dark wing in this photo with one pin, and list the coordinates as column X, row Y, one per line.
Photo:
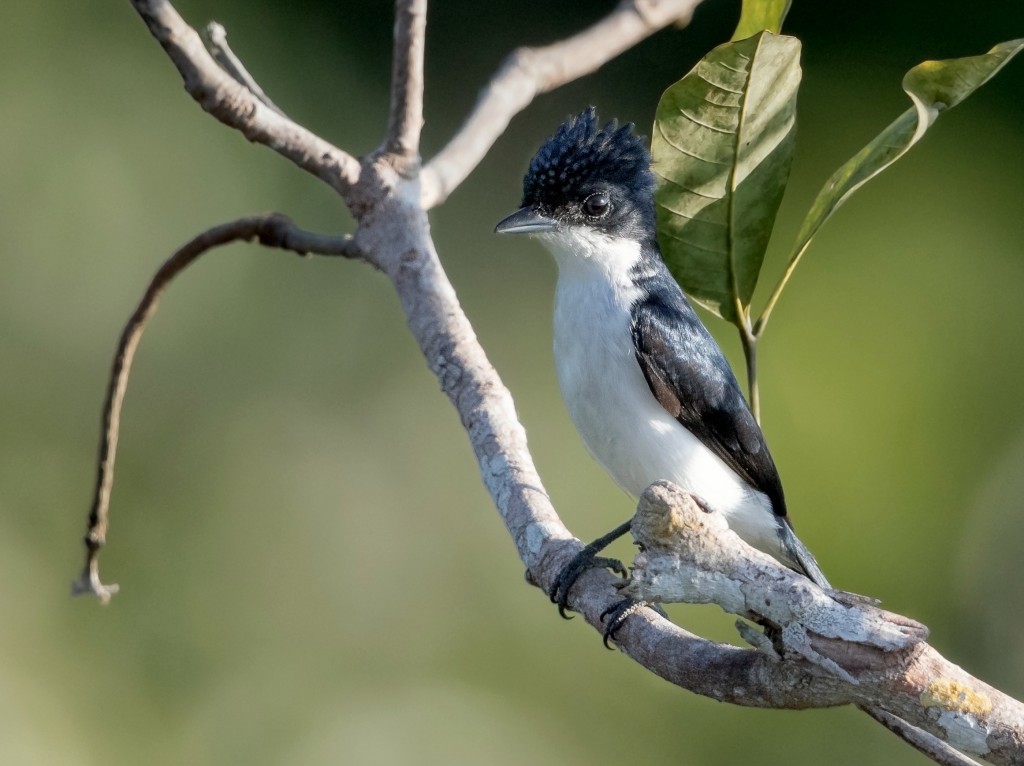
column 690, row 377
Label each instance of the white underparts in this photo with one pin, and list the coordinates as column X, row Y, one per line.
column 622, row 425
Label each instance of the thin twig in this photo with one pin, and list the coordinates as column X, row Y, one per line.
column 272, row 230
column 237, row 107
column 405, row 120
column 216, row 38
column 528, row 72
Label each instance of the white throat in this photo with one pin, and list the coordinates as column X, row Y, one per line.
column 586, row 254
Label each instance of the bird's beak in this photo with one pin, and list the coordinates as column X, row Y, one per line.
column 526, row 220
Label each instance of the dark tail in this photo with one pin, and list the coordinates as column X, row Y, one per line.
column 801, row 556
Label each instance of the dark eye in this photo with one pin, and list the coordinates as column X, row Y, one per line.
column 597, row 205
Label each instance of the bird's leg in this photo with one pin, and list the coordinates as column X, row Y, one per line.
column 584, row 560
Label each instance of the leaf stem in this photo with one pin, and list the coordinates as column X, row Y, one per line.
column 783, row 280
column 749, row 340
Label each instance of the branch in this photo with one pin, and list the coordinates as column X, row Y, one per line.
column 393, row 233
column 272, row 230
column 528, row 72
column 877, row 659
column 926, row 744
column 399, row 238
column 406, row 116
column 721, row 672
column 216, row 38
column 237, row 106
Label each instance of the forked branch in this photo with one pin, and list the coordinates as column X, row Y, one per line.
column 216, row 38
column 237, row 107
column 383, row 194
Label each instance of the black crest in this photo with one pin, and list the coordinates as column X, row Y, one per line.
column 580, row 154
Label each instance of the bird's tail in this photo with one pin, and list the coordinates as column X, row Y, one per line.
column 801, row 556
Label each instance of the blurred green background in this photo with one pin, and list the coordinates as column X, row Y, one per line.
column 312, row 572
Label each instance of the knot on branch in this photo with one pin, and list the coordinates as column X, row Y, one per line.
column 689, row 554
column 274, row 231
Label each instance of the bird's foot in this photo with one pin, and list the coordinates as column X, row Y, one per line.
column 584, row 560
column 581, row 562
column 616, row 615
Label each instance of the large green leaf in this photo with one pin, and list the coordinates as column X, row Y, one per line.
column 722, row 148
column 934, row 87
column 761, row 14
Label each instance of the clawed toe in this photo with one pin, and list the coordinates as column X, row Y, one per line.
column 614, row 616
column 581, row 562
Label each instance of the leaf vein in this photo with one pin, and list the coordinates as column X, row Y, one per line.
column 721, row 87
column 713, row 128
column 675, row 212
column 694, row 192
column 687, row 152
column 691, row 243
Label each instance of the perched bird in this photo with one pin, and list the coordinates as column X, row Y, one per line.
column 647, row 387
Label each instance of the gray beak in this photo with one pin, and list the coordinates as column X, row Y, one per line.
column 526, row 220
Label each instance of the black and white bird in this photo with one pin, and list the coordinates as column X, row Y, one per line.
column 646, row 385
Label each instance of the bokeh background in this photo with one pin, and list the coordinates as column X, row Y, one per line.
column 311, row 570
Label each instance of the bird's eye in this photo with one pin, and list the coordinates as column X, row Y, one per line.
column 597, row 205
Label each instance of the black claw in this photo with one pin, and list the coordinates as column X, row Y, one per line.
column 616, row 615
column 581, row 562
column 613, row 564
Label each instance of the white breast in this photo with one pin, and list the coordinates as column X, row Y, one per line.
column 622, row 425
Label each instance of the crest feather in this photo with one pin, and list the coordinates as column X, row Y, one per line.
column 580, row 152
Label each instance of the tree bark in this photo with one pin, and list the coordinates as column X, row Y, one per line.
column 828, row 649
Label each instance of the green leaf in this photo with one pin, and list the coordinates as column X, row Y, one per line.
column 758, row 15
column 722, row 147
column 934, row 87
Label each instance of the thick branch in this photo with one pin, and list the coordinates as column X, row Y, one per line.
column 237, row 107
column 272, row 231
column 528, row 72
column 879, row 659
column 406, row 116
column 397, row 234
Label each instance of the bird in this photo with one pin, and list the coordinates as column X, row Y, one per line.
column 647, row 387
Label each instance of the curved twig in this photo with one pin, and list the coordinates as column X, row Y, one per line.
column 528, row 72
column 272, row 230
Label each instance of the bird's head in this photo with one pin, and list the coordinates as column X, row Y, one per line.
column 586, row 179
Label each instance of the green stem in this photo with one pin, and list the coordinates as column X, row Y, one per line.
column 777, row 292
column 749, row 340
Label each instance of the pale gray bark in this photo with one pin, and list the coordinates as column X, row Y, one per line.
column 388, row 194
column 875, row 658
